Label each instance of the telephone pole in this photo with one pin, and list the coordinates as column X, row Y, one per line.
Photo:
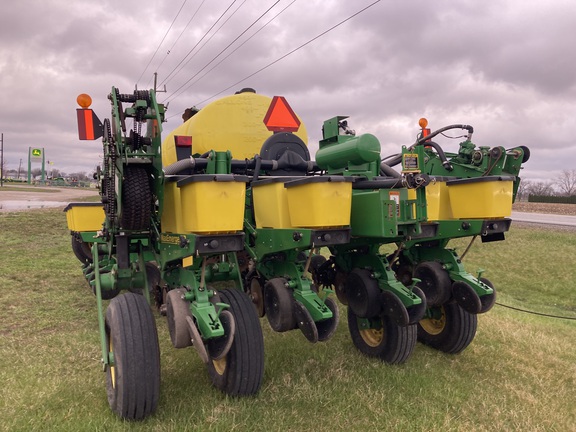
column 2, row 160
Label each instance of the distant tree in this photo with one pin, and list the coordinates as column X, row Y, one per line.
column 36, row 172
column 566, row 182
column 540, row 188
column 80, row 176
column 523, row 189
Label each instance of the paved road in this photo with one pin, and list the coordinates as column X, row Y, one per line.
column 547, row 219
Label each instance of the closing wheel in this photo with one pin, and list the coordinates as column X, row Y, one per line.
column 434, row 281
column 448, row 328
column 381, row 337
column 327, row 327
column 487, row 301
column 257, row 294
column 177, row 309
column 416, row 313
column 466, row 297
column 305, row 322
column 136, row 199
column 393, row 307
column 363, row 293
column 241, row 370
column 133, row 379
column 82, row 250
column 279, row 305
column 340, row 287
column 219, row 347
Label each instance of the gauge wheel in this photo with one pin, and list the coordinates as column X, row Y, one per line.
column 447, row 328
column 382, row 337
column 133, row 377
column 279, row 305
column 363, row 293
column 434, row 281
column 82, row 250
column 240, row 371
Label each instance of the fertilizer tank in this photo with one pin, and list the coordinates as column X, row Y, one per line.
column 234, row 123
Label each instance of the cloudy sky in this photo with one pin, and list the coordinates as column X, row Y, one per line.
column 506, row 67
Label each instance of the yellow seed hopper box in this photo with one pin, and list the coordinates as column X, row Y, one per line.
column 320, row 202
column 213, row 203
column 481, row 197
column 84, row 216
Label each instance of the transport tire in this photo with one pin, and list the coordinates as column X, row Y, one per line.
column 384, row 339
column 241, row 370
column 133, row 380
column 451, row 331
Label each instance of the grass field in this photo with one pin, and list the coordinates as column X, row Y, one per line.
column 518, row 374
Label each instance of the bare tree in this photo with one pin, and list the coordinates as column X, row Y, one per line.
column 523, row 189
column 566, row 182
column 540, row 188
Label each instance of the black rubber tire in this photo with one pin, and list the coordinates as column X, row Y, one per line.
column 136, row 199
column 241, row 371
column 133, row 382
column 279, row 305
column 391, row 343
column 363, row 294
column 82, row 250
column 452, row 332
column 435, row 282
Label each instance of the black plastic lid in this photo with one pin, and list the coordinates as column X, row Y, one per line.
column 213, row 177
column 479, row 180
column 274, row 179
column 319, row 179
column 82, row 204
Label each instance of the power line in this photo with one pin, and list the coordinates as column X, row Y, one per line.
column 180, row 35
column 160, row 44
column 235, row 49
column 167, row 79
column 289, row 53
column 174, row 95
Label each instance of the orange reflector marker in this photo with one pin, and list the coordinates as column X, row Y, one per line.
column 423, row 123
column 84, row 100
column 89, row 126
column 280, row 117
column 183, row 141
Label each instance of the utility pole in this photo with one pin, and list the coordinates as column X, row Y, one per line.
column 2, row 160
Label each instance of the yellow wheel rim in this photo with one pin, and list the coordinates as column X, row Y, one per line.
column 434, row 326
column 112, row 368
column 372, row 337
column 220, row 365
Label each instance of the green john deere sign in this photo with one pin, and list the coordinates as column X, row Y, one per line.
column 36, row 152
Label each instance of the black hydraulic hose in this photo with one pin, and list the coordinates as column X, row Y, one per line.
column 441, row 154
column 392, row 160
column 423, row 139
column 386, row 170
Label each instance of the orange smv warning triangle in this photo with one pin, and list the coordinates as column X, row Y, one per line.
column 280, row 117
